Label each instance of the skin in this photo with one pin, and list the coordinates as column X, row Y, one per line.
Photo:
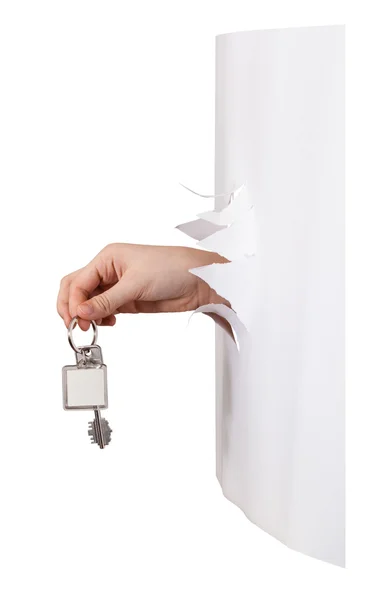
column 131, row 278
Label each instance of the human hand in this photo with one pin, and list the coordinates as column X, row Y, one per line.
column 131, row 278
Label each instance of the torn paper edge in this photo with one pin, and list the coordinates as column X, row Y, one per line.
column 233, row 236
column 222, row 195
column 234, row 241
column 229, row 322
column 236, row 282
column 199, row 229
column 237, row 205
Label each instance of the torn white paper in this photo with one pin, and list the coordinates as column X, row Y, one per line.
column 221, row 195
column 280, row 401
column 236, row 281
column 233, row 238
column 234, row 241
column 235, row 327
column 199, row 229
column 280, row 404
column 230, row 231
column 238, row 204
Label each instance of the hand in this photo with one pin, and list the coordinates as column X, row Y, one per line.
column 130, row 278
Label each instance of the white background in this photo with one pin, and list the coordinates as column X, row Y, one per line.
column 104, row 106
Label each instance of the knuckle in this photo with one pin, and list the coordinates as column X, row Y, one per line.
column 103, row 302
column 110, row 248
column 114, row 248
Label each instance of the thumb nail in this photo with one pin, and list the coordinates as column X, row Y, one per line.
column 86, row 309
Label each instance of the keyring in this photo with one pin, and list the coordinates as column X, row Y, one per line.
column 72, row 325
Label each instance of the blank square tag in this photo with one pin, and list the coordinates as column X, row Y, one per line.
column 84, row 388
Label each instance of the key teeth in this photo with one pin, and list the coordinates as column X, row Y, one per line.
column 106, row 430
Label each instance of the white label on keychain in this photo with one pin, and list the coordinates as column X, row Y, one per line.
column 85, row 387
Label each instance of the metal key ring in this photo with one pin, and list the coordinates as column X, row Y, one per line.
column 72, row 325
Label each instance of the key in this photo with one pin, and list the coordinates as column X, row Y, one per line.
column 85, row 386
column 99, row 430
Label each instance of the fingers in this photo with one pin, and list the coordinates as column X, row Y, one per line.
column 109, row 321
column 63, row 299
column 76, row 288
column 94, row 293
column 106, row 304
column 81, row 288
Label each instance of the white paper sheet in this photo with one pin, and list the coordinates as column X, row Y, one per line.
column 280, row 408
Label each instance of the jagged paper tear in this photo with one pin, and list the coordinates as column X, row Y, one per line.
column 234, row 241
column 235, row 282
column 231, row 233
column 228, row 320
column 238, row 204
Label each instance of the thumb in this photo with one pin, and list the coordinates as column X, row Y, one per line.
column 106, row 304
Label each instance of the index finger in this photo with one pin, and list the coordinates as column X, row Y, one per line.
column 80, row 290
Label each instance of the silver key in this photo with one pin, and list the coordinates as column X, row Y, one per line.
column 99, row 430
column 85, row 386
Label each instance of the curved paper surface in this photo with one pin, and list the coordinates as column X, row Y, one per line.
column 280, row 405
column 280, row 401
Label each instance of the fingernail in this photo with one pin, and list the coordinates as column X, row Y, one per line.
column 86, row 309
